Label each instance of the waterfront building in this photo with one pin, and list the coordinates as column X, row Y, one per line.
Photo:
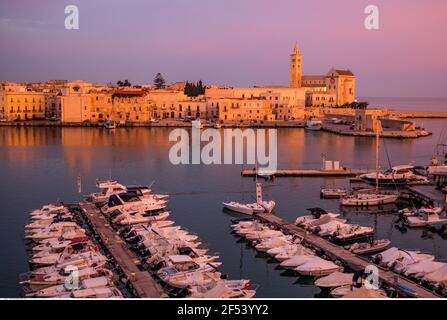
column 335, row 88
column 245, row 109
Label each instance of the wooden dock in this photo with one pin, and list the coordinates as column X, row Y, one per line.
column 402, row 285
column 145, row 286
column 427, row 194
column 310, row 173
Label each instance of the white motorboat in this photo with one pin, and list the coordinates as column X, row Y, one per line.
column 129, row 218
column 297, row 260
column 364, row 248
column 352, row 232
column 313, row 124
column 329, row 228
column 222, row 290
column 130, row 202
column 425, row 218
column 48, row 209
column 438, row 277
column 104, row 292
column 259, row 206
column 349, row 291
column 317, row 215
column 422, row 268
column 334, row 280
column 270, row 243
column 398, row 175
column 259, row 235
column 110, row 124
column 422, row 210
column 368, row 199
column 290, row 252
column 62, row 290
column 318, row 267
column 401, row 264
column 398, row 260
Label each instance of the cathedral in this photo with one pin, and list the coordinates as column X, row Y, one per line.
column 334, row 88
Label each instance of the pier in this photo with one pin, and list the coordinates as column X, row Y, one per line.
column 427, row 194
column 403, row 286
column 310, row 173
column 144, row 285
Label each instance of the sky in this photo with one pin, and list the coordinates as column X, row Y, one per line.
column 228, row 42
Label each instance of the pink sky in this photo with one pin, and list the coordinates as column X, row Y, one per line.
column 233, row 42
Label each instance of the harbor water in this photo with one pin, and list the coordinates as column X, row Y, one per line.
column 40, row 165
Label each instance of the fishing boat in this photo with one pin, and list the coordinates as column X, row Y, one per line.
column 313, row 124
column 260, row 206
column 332, row 193
column 110, row 124
column 371, row 247
column 334, row 280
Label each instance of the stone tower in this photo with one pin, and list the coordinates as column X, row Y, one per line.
column 296, row 68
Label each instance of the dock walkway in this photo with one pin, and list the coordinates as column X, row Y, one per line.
column 427, row 194
column 402, row 285
column 310, row 173
column 143, row 283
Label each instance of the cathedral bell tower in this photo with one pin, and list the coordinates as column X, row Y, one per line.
column 296, row 68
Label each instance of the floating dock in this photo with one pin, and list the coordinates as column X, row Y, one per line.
column 142, row 282
column 310, row 173
column 402, row 285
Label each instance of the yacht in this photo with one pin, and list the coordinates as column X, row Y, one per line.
column 297, row 260
column 130, row 202
column 259, row 206
column 374, row 246
column 398, row 175
column 352, row 232
column 313, row 124
column 129, row 218
column 316, row 214
column 368, row 199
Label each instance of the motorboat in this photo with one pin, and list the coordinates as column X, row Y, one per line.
column 181, row 279
column 270, row 243
column 398, row 175
column 110, row 124
column 62, row 290
column 329, row 228
column 401, row 264
column 438, row 277
column 260, row 206
column 290, row 252
column 48, row 209
column 104, row 292
column 130, row 202
column 368, row 199
column 423, row 210
column 140, row 217
column 317, row 215
column 313, row 124
column 351, row 232
column 350, row 291
column 222, row 290
column 318, row 267
column 422, row 268
column 334, row 280
column 259, row 235
column 297, row 260
column 333, row 193
column 425, row 218
column 371, row 247
column 398, row 260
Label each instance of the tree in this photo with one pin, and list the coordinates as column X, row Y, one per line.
column 194, row 89
column 159, row 81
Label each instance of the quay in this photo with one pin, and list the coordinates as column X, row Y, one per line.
column 402, row 285
column 144, row 285
column 310, row 173
column 397, row 134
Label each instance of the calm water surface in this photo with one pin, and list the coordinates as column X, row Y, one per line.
column 40, row 165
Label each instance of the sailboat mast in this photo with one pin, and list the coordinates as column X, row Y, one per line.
column 377, row 157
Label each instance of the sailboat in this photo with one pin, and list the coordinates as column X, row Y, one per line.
column 260, row 206
column 370, row 199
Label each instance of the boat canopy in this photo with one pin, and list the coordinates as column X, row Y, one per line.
column 95, row 282
column 180, row 258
